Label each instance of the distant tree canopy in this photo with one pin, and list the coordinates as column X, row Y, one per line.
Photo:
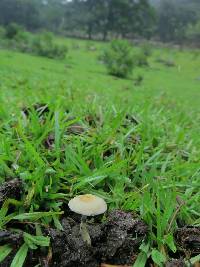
column 23, row 12
column 166, row 20
column 118, row 17
column 175, row 16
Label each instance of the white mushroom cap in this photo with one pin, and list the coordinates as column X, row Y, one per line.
column 88, row 205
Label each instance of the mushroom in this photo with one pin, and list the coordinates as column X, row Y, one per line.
column 87, row 205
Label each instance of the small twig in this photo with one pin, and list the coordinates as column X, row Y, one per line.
column 180, row 204
column 47, row 261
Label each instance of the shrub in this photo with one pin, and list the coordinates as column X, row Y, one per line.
column 2, row 32
column 2, row 36
column 12, row 30
column 43, row 45
column 166, row 62
column 75, row 45
column 22, row 41
column 89, row 46
column 146, row 49
column 193, row 33
column 141, row 60
column 138, row 80
column 118, row 58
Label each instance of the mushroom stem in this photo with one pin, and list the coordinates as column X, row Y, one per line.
column 84, row 232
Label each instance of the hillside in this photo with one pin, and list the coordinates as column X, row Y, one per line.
column 70, row 128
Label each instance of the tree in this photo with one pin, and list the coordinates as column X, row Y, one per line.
column 145, row 20
column 193, row 33
column 52, row 15
column 174, row 18
column 128, row 18
column 119, row 17
column 23, row 12
column 167, row 19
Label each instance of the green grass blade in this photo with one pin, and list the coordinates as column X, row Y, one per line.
column 4, row 252
column 20, row 256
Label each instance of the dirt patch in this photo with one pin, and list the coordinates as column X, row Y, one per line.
column 7, row 237
column 176, row 263
column 114, row 242
column 10, row 189
column 188, row 238
column 13, row 239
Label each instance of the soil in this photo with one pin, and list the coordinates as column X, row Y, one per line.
column 176, row 263
column 13, row 239
column 188, row 238
column 10, row 189
column 115, row 241
column 7, row 237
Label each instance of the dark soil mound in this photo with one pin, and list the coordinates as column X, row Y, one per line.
column 115, row 241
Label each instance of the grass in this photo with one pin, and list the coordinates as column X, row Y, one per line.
column 139, row 149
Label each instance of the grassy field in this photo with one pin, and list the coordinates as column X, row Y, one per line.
column 83, row 72
column 137, row 146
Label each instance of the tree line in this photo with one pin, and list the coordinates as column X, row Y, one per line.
column 166, row 20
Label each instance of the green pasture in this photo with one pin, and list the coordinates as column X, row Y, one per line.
column 139, row 150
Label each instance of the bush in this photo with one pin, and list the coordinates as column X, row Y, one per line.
column 2, row 36
column 141, row 59
column 43, row 45
column 138, row 80
column 166, row 62
column 2, row 32
column 118, row 58
column 193, row 33
column 12, row 30
column 146, row 49
column 22, row 41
